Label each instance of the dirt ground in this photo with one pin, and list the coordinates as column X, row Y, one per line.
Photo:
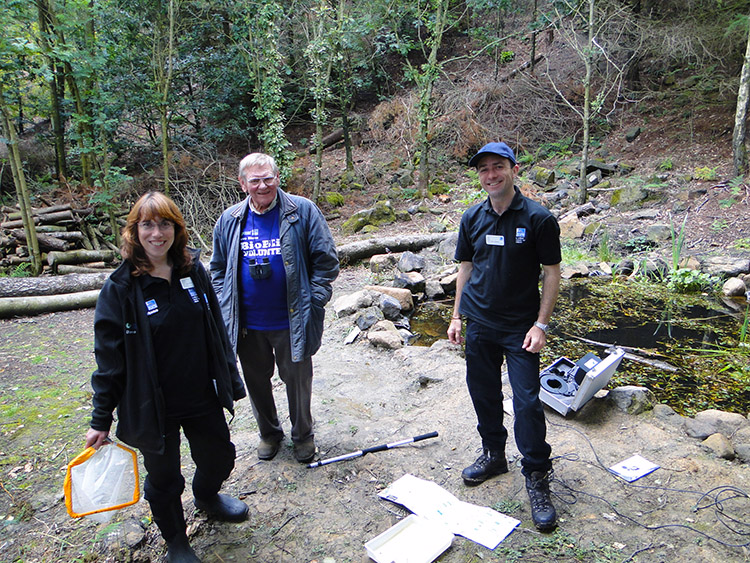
column 694, row 507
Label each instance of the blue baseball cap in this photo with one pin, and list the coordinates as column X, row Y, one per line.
column 500, row 149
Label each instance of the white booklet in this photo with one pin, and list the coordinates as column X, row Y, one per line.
column 633, row 468
column 429, row 500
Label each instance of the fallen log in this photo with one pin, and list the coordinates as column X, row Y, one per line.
column 366, row 248
column 87, row 268
column 46, row 242
column 40, row 211
column 58, row 217
column 52, row 285
column 79, row 257
column 38, row 304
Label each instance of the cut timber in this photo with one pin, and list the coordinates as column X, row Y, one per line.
column 38, row 304
column 51, row 285
column 59, row 217
column 79, row 257
column 46, row 242
column 87, row 268
column 366, row 248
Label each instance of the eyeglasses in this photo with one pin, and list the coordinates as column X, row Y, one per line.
column 162, row 225
column 255, row 182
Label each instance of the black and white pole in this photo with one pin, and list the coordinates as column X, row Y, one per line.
column 380, row 448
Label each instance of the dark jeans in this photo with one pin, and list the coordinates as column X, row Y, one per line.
column 486, row 349
column 257, row 350
column 211, row 450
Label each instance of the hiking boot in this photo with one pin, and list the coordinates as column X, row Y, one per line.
column 542, row 512
column 304, row 451
column 179, row 550
column 223, row 507
column 267, row 449
column 487, row 465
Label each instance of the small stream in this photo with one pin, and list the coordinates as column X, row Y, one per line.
column 686, row 348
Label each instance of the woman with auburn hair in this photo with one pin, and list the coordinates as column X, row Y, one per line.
column 164, row 362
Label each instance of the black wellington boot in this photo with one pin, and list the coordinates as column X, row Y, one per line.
column 170, row 519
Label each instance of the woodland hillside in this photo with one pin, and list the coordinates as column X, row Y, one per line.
column 102, row 100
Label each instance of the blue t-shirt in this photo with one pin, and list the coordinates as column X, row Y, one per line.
column 263, row 303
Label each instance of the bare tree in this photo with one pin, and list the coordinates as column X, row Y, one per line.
column 739, row 150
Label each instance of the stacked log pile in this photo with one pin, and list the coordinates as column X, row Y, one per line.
column 78, row 256
column 71, row 240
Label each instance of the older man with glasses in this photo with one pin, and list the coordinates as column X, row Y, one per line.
column 272, row 267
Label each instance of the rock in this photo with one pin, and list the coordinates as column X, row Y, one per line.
column 410, row 262
column 413, row 281
column 542, row 176
column 734, row 287
column 351, row 303
column 579, row 270
column 437, row 227
column 726, row 266
column 128, row 534
column 632, row 399
column 628, row 197
column 385, row 335
column 659, row 233
column 352, row 335
column 720, row 445
column 448, row 282
column 403, row 296
column 368, row 317
column 390, row 306
column 447, row 247
column 380, row 262
column 632, row 134
column 594, row 178
column 712, row 421
column 434, row 290
column 571, row 227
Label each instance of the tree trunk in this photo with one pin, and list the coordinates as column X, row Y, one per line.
column 588, row 60
column 739, row 150
column 36, row 305
column 46, row 242
column 51, row 285
column 19, row 180
column 364, row 249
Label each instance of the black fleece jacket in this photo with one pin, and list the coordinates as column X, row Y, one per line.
column 126, row 378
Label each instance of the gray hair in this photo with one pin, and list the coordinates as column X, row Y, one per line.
column 257, row 159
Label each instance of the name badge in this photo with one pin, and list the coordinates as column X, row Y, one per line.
column 520, row 235
column 193, row 295
column 187, row 283
column 151, row 307
column 495, row 240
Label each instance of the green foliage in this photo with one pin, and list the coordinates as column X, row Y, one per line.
column 742, row 243
column 604, row 251
column 555, row 149
column 677, row 242
column 21, row 271
column 685, row 280
column 665, row 165
column 706, row 174
column 573, row 253
column 507, row 56
column 719, row 225
column 638, row 244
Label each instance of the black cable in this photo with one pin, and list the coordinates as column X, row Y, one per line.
column 715, row 498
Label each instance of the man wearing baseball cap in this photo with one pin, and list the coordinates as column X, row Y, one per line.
column 504, row 243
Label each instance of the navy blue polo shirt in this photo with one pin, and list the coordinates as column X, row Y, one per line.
column 507, row 252
column 178, row 333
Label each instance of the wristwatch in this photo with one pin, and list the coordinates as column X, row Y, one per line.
column 541, row 326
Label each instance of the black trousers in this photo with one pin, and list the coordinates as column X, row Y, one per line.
column 213, row 454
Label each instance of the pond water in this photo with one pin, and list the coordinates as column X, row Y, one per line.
column 685, row 348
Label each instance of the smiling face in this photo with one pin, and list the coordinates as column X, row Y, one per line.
column 497, row 174
column 260, row 183
column 156, row 236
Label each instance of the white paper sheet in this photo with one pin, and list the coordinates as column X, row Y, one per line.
column 481, row 524
column 633, row 468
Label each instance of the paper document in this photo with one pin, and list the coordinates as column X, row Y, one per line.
column 633, row 468
column 481, row 524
